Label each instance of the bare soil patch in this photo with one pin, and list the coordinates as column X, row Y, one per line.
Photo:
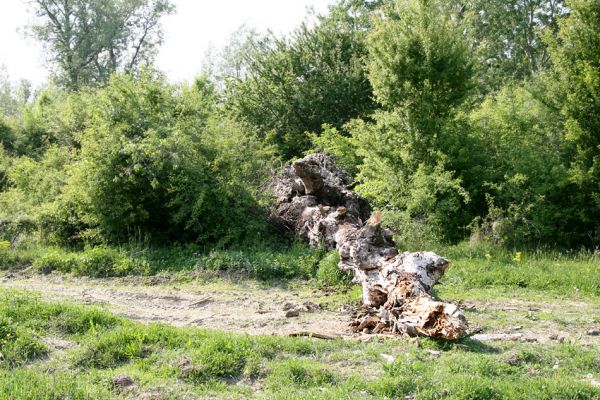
column 254, row 308
column 238, row 307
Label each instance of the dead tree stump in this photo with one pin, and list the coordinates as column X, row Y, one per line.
column 315, row 203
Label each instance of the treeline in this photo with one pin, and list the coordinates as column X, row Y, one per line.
column 458, row 119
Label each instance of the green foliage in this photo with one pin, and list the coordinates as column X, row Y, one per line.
column 7, row 143
column 55, row 260
column 293, row 86
column 575, row 54
column 17, row 345
column 12, row 97
column 53, row 118
column 419, row 58
column 125, row 36
column 508, row 37
column 519, row 178
column 453, row 117
column 5, row 162
column 40, row 181
column 256, row 261
column 152, row 162
column 403, row 176
column 263, row 263
column 10, row 259
column 341, row 148
column 420, row 69
column 34, row 187
column 97, row 262
column 329, row 274
column 102, row 262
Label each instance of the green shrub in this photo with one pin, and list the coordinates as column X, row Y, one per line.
column 5, row 161
column 11, row 259
column 329, row 274
column 291, row 87
column 157, row 161
column 264, row 262
column 55, row 260
column 34, row 186
column 96, row 262
column 101, row 262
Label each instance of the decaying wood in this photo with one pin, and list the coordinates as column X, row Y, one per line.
column 316, row 335
column 315, row 203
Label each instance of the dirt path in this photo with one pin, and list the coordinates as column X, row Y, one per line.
column 253, row 308
column 242, row 307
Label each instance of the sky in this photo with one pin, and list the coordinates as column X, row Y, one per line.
column 197, row 27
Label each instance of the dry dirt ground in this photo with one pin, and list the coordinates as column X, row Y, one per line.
column 255, row 308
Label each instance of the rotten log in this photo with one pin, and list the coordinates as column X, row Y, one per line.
column 315, row 203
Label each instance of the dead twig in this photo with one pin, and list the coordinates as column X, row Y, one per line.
column 316, row 335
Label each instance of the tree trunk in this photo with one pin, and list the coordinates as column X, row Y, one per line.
column 315, row 203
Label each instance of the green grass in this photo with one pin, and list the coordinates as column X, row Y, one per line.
column 551, row 271
column 178, row 362
column 472, row 268
column 263, row 262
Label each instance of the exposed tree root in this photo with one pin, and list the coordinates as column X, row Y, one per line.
column 315, row 203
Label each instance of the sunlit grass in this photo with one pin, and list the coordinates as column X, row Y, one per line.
column 201, row 363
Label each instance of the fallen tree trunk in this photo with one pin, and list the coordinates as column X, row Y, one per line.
column 314, row 202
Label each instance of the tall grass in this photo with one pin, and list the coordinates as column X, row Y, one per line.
column 560, row 272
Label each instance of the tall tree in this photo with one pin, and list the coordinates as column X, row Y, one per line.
column 508, row 37
column 295, row 85
column 12, row 97
column 87, row 40
column 421, row 71
column 576, row 56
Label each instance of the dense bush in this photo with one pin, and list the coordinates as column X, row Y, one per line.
column 576, row 55
column 421, row 72
column 152, row 159
column 35, row 187
column 145, row 135
column 452, row 123
column 292, row 86
column 519, row 179
column 440, row 161
column 97, row 262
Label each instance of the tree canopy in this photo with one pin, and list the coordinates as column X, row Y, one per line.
column 88, row 40
column 456, row 119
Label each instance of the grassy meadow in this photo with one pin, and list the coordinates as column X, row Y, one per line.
column 60, row 351
column 64, row 350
